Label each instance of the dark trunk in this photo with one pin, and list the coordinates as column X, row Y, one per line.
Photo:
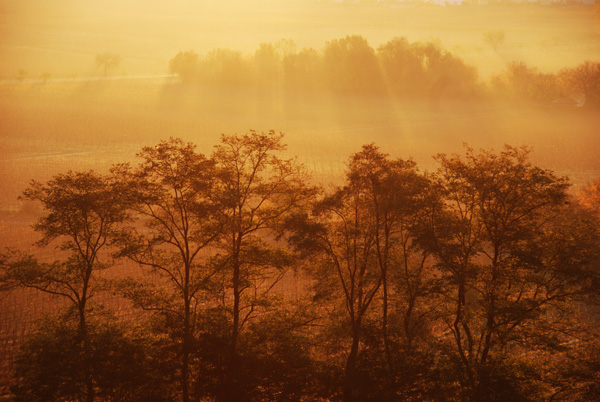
column 84, row 338
column 232, row 392
column 350, row 375
column 459, row 325
column 384, row 325
column 185, row 353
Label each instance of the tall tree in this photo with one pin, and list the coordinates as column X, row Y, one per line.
column 363, row 252
column 396, row 197
column 81, row 212
column 340, row 241
column 497, row 242
column 171, row 195
column 258, row 190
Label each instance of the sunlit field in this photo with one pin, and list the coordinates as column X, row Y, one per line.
column 62, row 109
column 48, row 128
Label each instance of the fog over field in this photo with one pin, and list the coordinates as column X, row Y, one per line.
column 47, row 125
column 85, row 85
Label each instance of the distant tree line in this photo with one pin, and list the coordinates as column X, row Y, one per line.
column 347, row 66
column 580, row 84
column 477, row 282
column 398, row 69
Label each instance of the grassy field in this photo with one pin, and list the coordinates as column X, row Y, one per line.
column 53, row 127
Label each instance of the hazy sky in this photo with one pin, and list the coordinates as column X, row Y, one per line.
column 63, row 36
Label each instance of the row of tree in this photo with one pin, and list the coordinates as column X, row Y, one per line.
column 348, row 65
column 579, row 85
column 472, row 283
column 397, row 68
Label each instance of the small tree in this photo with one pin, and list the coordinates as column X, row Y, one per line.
column 108, row 61
column 494, row 38
column 186, row 65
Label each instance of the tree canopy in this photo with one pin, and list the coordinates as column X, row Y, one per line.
column 475, row 282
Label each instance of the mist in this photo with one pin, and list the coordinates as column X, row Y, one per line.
column 87, row 84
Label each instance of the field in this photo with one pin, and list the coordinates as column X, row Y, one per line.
column 53, row 127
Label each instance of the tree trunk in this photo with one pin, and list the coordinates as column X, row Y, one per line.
column 384, row 325
column 349, row 387
column 84, row 338
column 185, row 353
column 231, row 381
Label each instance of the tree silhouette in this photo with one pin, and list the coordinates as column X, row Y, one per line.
column 186, row 65
column 497, row 240
column 108, row 61
column 584, row 78
column 494, row 38
column 474, row 283
column 351, row 66
column 258, row 190
column 397, row 197
column 81, row 212
column 170, row 195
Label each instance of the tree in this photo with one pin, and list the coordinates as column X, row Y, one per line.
column 257, row 191
column 396, row 197
column 494, row 38
column 276, row 350
column 425, row 70
column 267, row 61
column 527, row 83
column 404, row 69
column 351, row 66
column 108, row 61
column 584, row 78
column 81, row 212
column 171, row 195
column 339, row 240
column 186, row 65
column 301, row 69
column 360, row 240
column 510, row 254
column 226, row 67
